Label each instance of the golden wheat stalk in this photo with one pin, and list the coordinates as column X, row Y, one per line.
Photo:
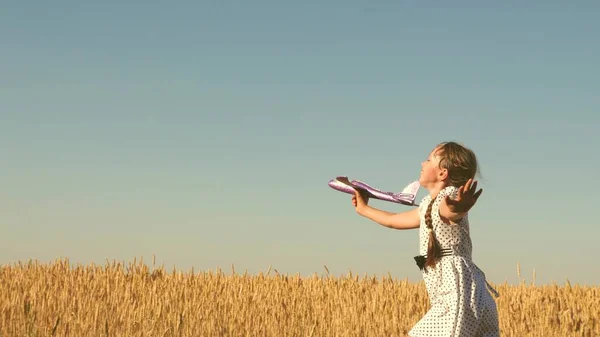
column 57, row 299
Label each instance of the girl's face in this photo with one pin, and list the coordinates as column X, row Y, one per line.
column 430, row 170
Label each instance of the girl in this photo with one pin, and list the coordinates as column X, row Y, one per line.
column 458, row 292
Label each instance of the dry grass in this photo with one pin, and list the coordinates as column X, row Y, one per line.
column 133, row 300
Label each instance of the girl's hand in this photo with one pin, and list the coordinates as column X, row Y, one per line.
column 466, row 198
column 359, row 201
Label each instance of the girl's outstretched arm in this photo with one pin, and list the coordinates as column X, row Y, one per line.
column 404, row 220
column 455, row 209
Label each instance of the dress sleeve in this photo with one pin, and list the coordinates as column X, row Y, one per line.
column 451, row 191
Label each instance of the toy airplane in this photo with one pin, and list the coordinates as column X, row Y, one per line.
column 406, row 197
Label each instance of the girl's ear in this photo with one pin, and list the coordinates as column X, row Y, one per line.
column 443, row 175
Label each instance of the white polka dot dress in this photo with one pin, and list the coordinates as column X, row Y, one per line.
column 461, row 304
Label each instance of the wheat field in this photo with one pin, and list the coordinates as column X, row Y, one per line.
column 118, row 299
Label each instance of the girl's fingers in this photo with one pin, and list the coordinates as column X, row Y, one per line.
column 356, row 197
column 467, row 185
column 460, row 193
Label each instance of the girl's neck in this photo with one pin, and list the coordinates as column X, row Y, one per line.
column 435, row 188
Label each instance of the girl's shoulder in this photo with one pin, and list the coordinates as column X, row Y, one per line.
column 451, row 191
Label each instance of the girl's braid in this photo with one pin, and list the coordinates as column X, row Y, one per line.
column 433, row 247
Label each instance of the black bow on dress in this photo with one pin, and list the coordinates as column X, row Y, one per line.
column 420, row 259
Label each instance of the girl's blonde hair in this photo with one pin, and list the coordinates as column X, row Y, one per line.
column 461, row 164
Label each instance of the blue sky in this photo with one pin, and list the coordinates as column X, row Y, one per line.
column 206, row 132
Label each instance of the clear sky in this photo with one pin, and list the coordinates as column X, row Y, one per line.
column 205, row 132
